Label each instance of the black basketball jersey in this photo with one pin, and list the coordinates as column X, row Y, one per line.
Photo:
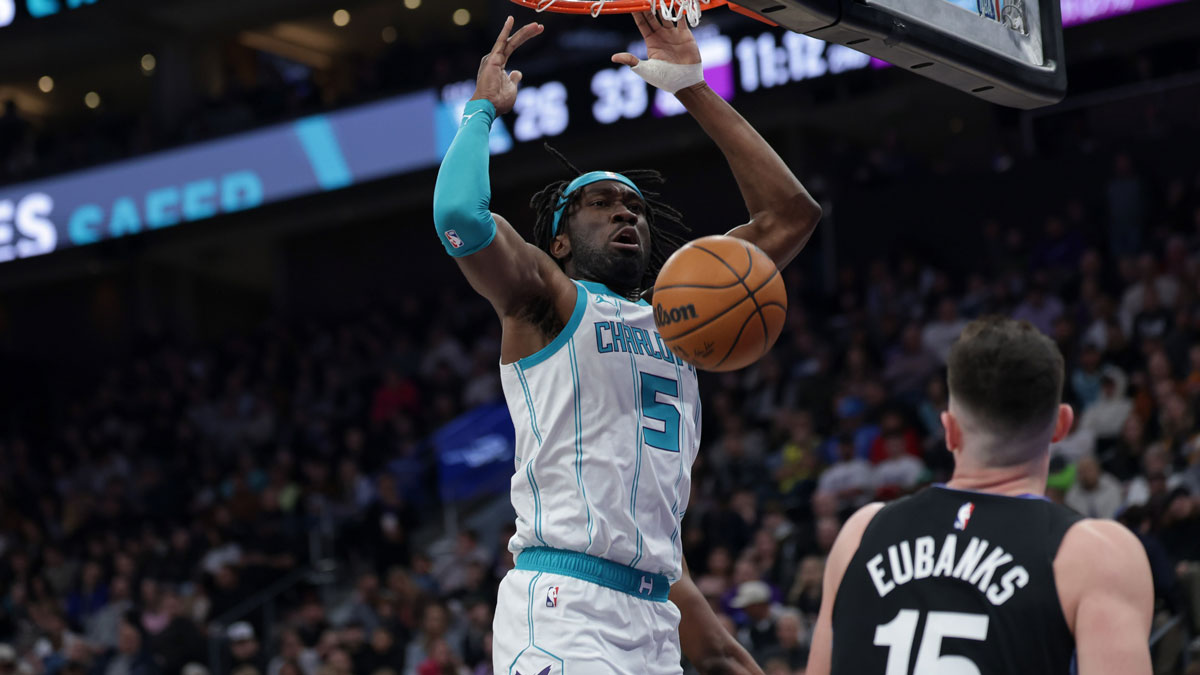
column 948, row 582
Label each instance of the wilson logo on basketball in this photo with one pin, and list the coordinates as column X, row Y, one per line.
column 666, row 317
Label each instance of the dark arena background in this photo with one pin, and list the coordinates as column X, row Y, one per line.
column 250, row 412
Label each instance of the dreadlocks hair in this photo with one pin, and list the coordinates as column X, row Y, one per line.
column 667, row 230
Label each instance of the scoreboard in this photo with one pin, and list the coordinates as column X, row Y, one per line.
column 608, row 94
column 19, row 11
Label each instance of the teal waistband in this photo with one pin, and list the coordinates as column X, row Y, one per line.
column 635, row 582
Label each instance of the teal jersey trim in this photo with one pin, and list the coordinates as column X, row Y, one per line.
column 606, row 573
column 600, row 289
column 563, row 336
column 579, row 439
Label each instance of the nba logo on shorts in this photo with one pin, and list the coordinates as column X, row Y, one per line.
column 454, row 239
column 964, row 516
column 552, row 596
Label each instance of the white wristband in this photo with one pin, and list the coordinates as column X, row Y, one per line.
column 670, row 77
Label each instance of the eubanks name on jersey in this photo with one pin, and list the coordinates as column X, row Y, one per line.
column 992, row 572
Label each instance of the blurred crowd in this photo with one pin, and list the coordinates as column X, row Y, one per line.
column 181, row 483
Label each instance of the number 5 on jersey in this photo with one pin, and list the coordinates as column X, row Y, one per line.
column 898, row 634
column 660, row 412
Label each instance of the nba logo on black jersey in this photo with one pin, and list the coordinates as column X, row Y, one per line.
column 964, row 516
column 552, row 596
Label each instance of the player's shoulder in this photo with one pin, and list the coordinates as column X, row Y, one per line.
column 850, row 536
column 1101, row 559
column 1093, row 539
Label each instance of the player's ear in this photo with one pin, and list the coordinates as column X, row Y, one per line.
column 1063, row 423
column 560, row 246
column 953, row 431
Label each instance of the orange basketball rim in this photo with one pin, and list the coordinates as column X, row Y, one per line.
column 597, row 7
column 671, row 10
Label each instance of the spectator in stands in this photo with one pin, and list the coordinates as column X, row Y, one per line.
column 1157, row 477
column 909, row 364
column 791, row 642
column 90, row 594
column 477, row 632
column 1085, row 376
column 939, row 334
column 244, row 648
column 102, row 628
column 900, row 471
column 1106, row 416
column 757, row 634
column 1153, row 321
column 797, row 463
column 361, row 608
column 850, row 480
column 453, row 568
column 427, row 645
column 806, row 592
column 1096, row 494
column 129, row 657
column 382, row 654
column 292, row 651
column 442, row 661
column 1039, row 308
column 353, row 640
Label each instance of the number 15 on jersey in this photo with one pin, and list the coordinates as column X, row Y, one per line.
column 899, row 633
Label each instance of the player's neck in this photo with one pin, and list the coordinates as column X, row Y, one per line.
column 1011, row 481
column 629, row 294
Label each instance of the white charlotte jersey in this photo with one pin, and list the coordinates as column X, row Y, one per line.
column 608, row 424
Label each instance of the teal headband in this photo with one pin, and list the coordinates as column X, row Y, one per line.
column 587, row 179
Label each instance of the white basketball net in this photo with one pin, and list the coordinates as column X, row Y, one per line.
column 668, row 10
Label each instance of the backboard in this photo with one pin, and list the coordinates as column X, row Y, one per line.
column 1008, row 52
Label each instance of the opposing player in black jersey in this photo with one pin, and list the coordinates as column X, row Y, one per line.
column 984, row 576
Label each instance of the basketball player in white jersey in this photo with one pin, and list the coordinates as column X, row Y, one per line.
column 983, row 575
column 608, row 421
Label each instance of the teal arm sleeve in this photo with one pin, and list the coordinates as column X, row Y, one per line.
column 462, row 195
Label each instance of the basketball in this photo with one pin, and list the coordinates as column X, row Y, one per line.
column 719, row 303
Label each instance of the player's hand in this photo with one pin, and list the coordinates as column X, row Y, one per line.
column 665, row 41
column 493, row 82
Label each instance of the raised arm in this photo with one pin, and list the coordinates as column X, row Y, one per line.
column 511, row 273
column 705, row 642
column 782, row 213
column 1109, row 606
